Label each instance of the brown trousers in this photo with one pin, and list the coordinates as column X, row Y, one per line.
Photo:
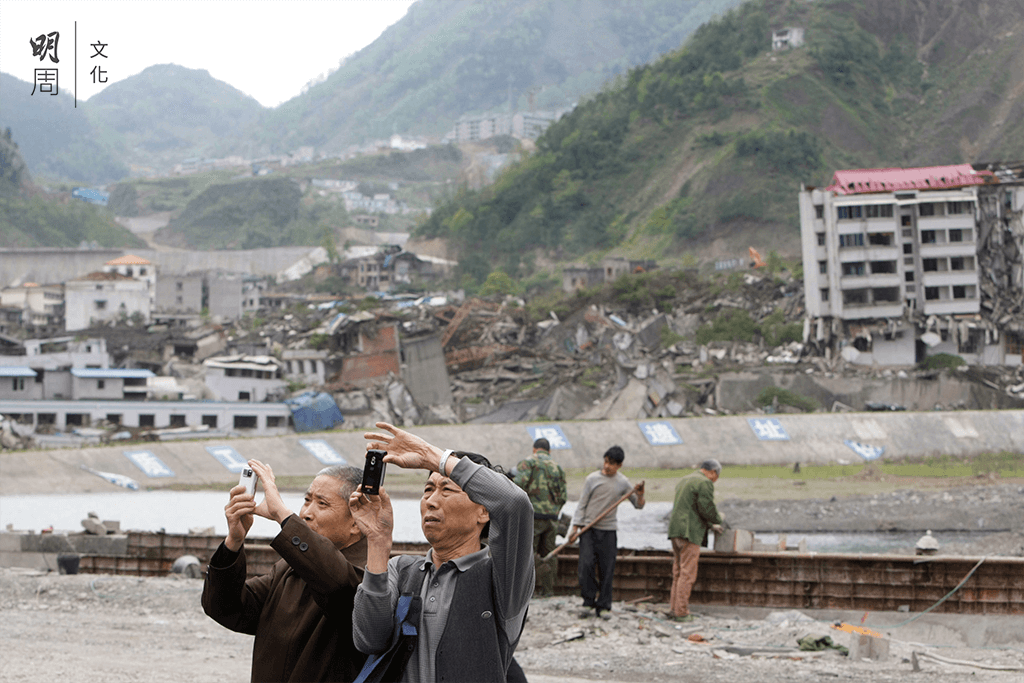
column 684, row 574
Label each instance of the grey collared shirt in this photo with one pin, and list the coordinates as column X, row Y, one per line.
column 511, row 552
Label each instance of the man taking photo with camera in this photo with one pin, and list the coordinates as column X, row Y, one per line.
column 471, row 598
column 301, row 612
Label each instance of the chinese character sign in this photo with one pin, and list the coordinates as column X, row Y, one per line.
column 768, row 429
column 46, row 81
column 98, row 73
column 229, row 457
column 45, row 46
column 322, row 451
column 660, row 433
column 865, row 451
column 150, row 465
column 553, row 433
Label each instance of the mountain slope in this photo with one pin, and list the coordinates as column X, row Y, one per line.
column 714, row 139
column 55, row 138
column 446, row 58
column 168, row 113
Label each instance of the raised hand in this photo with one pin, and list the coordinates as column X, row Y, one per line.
column 238, row 512
column 376, row 519
column 405, row 450
column 272, row 506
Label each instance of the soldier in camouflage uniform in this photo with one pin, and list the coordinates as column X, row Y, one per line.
column 543, row 479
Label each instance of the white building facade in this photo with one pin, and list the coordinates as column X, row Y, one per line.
column 891, row 263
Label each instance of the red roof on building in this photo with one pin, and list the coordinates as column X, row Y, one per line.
column 894, row 179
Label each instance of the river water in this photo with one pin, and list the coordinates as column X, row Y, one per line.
column 177, row 512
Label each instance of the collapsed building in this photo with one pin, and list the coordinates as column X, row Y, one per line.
column 902, row 264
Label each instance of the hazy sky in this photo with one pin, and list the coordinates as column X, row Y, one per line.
column 266, row 48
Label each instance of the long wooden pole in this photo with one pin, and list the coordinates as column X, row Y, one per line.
column 597, row 519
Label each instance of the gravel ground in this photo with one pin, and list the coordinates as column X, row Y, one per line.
column 101, row 628
column 94, row 629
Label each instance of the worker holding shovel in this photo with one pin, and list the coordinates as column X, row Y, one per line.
column 595, row 524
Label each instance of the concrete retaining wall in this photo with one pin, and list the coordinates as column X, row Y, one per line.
column 814, row 438
column 46, row 265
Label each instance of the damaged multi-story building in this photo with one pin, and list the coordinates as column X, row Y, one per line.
column 901, row 264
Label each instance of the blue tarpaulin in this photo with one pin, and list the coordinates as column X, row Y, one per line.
column 314, row 411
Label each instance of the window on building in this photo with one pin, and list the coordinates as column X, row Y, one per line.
column 855, row 297
column 101, row 384
column 46, row 418
column 878, row 210
column 880, row 239
column 147, row 420
column 114, row 418
column 245, row 422
column 821, row 239
column 964, row 292
column 100, row 304
column 908, row 276
column 142, row 271
column 960, row 235
column 908, row 248
column 908, row 260
column 855, row 268
column 885, row 295
column 243, row 396
column 275, row 421
column 931, row 293
column 850, row 212
column 930, row 265
column 822, row 267
column 928, row 237
column 953, row 208
column 210, row 421
column 883, row 267
column 911, row 289
column 824, row 294
column 177, row 420
column 178, row 300
column 18, row 383
column 76, row 419
column 819, row 211
column 179, row 286
column 1013, row 342
column 906, row 219
column 854, row 240
column 973, row 342
column 907, row 232
column 926, row 209
column 961, row 263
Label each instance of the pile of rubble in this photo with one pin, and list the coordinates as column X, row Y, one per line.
column 602, row 355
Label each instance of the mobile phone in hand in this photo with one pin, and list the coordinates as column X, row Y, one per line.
column 373, row 471
column 249, row 479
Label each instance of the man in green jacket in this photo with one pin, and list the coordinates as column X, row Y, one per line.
column 543, row 479
column 693, row 513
